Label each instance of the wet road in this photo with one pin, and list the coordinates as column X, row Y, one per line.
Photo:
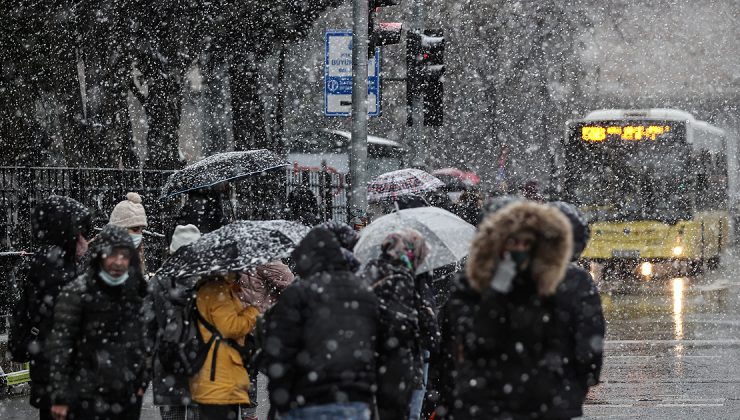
column 672, row 352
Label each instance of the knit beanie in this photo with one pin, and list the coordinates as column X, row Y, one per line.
column 129, row 213
column 184, row 235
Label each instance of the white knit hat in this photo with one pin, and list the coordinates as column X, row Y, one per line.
column 184, row 235
column 129, row 213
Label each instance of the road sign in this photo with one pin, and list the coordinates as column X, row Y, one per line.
column 338, row 76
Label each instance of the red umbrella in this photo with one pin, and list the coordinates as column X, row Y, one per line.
column 468, row 178
column 401, row 183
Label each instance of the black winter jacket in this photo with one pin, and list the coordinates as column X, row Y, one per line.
column 56, row 222
column 320, row 337
column 408, row 325
column 167, row 300
column 42, row 279
column 579, row 312
column 501, row 353
column 98, row 346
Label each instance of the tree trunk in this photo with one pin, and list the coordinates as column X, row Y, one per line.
column 247, row 109
column 278, row 143
column 215, row 138
column 163, row 108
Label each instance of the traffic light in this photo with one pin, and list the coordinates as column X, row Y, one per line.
column 424, row 71
column 381, row 33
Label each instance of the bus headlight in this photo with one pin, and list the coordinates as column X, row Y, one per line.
column 646, row 269
column 677, row 251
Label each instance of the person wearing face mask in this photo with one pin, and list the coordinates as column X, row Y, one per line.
column 62, row 227
column 502, row 342
column 130, row 214
column 97, row 349
column 408, row 324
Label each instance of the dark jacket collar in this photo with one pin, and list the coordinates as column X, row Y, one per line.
column 319, row 251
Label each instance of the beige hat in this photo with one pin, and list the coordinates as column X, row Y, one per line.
column 129, row 213
column 184, row 235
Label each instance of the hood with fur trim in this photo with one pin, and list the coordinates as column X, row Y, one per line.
column 552, row 251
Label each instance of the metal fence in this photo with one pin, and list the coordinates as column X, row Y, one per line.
column 328, row 187
column 260, row 198
column 100, row 189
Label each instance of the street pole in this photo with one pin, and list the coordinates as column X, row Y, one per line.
column 358, row 144
column 416, row 133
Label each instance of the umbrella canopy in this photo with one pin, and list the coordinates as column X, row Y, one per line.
column 234, row 247
column 221, row 167
column 457, row 177
column 447, row 235
column 400, row 183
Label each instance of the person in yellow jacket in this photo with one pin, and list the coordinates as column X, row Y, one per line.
column 219, row 389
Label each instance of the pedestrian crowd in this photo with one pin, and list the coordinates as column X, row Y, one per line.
column 515, row 331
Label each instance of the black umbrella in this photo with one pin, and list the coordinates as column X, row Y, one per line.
column 221, row 167
column 235, row 247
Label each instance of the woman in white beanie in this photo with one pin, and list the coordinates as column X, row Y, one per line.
column 130, row 214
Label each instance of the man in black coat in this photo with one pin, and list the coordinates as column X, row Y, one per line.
column 320, row 341
column 97, row 346
column 578, row 308
column 63, row 227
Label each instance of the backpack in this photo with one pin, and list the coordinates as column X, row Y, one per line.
column 24, row 327
column 183, row 350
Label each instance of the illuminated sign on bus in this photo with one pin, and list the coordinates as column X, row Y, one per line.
column 598, row 132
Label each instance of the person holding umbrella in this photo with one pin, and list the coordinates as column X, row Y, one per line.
column 171, row 390
column 408, row 321
column 223, row 382
column 261, row 287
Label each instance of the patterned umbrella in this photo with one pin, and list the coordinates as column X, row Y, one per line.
column 456, row 177
column 221, row 167
column 447, row 235
column 400, row 183
column 234, row 247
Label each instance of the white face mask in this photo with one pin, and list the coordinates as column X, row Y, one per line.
column 136, row 237
column 113, row 281
column 454, row 196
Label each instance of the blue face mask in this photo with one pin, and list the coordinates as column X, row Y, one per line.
column 113, row 281
column 136, row 237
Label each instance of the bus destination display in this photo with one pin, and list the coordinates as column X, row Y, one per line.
column 631, row 132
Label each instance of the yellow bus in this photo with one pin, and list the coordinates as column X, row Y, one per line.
column 653, row 185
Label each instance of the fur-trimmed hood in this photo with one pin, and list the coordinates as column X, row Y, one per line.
column 552, row 251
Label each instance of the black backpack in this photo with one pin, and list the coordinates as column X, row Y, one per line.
column 26, row 321
column 183, row 350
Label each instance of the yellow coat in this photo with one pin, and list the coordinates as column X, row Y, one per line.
column 222, row 309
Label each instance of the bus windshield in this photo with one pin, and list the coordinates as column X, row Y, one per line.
column 614, row 179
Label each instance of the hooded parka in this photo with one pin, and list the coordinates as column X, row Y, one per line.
column 56, row 223
column 320, row 340
column 97, row 347
column 218, row 303
column 501, row 353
